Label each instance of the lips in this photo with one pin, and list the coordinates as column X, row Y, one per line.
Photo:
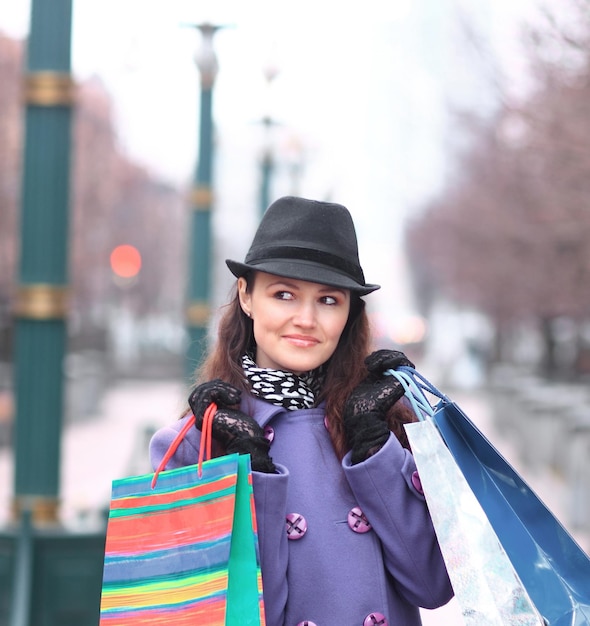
column 302, row 341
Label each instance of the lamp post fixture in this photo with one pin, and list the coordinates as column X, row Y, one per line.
column 267, row 163
column 198, row 310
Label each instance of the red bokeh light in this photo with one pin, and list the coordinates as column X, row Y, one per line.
column 126, row 261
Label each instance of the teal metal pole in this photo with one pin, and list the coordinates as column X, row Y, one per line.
column 20, row 614
column 41, row 299
column 200, row 252
column 266, row 168
column 265, row 180
column 267, row 163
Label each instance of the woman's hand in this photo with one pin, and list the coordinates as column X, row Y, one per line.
column 380, row 361
column 232, row 428
column 223, row 394
column 378, row 393
column 366, row 409
column 374, row 396
column 364, row 417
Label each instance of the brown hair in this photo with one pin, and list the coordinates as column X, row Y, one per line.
column 344, row 370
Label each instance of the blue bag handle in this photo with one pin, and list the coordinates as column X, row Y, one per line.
column 415, row 386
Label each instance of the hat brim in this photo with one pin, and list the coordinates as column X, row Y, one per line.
column 302, row 270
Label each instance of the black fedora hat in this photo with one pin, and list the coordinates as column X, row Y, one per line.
column 308, row 240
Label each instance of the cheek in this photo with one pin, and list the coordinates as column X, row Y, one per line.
column 336, row 327
column 264, row 322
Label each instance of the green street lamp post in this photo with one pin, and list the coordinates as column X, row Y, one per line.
column 201, row 200
column 41, row 299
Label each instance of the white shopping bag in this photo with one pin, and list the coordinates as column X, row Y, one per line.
column 487, row 588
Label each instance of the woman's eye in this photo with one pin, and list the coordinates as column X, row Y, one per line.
column 329, row 300
column 283, row 295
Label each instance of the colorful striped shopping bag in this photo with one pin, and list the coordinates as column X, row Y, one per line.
column 182, row 548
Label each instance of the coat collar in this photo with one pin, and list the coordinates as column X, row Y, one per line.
column 263, row 411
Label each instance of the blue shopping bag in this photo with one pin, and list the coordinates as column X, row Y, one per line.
column 553, row 568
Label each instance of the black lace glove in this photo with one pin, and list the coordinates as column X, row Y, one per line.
column 382, row 360
column 218, row 391
column 232, row 428
column 365, row 411
column 374, row 396
column 366, row 434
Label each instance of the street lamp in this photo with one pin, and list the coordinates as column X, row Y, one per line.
column 201, row 199
column 267, row 163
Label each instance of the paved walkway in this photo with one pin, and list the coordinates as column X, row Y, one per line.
column 113, row 443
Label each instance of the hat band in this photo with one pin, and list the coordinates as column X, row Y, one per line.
column 315, row 256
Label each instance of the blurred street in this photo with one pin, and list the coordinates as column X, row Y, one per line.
column 113, row 443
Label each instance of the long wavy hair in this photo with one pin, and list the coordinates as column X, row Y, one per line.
column 343, row 371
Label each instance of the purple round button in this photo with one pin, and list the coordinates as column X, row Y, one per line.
column 375, row 619
column 307, row 623
column 358, row 521
column 269, row 433
column 417, row 483
column 296, row 526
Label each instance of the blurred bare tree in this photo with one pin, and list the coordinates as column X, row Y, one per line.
column 509, row 234
column 10, row 141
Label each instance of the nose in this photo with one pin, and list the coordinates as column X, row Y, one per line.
column 305, row 315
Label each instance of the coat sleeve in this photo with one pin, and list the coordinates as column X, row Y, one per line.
column 388, row 492
column 270, row 498
column 187, row 452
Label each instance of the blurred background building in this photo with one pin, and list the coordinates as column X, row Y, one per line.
column 456, row 132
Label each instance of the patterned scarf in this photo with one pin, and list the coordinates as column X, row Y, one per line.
column 283, row 388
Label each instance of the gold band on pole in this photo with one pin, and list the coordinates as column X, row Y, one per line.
column 41, row 301
column 44, row 510
column 198, row 314
column 47, row 88
column 201, row 198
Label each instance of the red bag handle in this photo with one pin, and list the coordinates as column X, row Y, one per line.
column 206, row 435
column 205, row 445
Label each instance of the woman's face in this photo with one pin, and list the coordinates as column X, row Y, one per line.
column 297, row 324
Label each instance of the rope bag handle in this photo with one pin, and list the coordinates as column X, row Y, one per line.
column 416, row 386
column 204, row 447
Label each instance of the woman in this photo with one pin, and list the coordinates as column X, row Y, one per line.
column 344, row 531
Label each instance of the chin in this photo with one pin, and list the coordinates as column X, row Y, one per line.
column 298, row 367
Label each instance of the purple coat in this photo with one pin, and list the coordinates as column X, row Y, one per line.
column 329, row 572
